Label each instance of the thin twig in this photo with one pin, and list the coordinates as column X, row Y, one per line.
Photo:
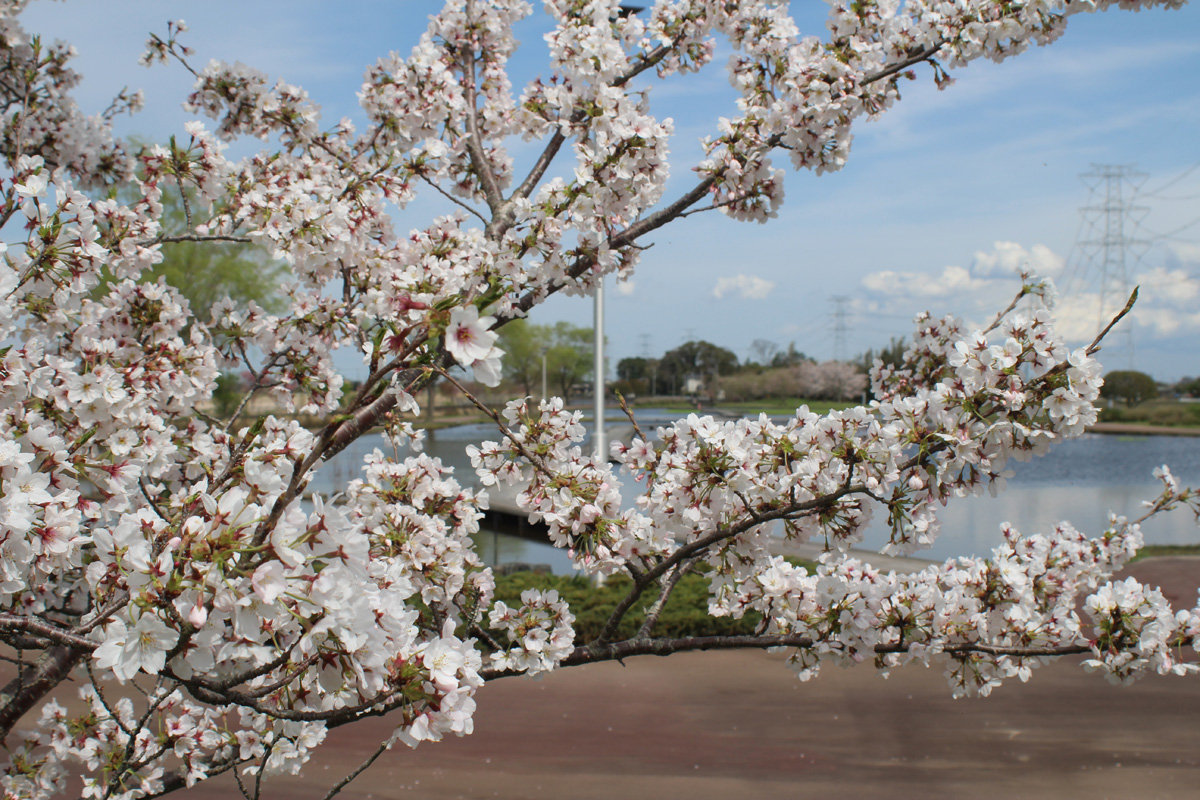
column 669, row 582
column 629, row 414
column 454, row 199
column 533, row 460
column 1000, row 317
column 337, row 787
column 1095, row 345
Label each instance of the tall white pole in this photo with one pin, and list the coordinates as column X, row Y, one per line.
column 601, row 449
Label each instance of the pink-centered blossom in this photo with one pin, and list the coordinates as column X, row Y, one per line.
column 467, row 336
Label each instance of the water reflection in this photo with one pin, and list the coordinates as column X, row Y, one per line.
column 1081, row 480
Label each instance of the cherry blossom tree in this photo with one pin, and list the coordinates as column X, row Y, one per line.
column 168, row 563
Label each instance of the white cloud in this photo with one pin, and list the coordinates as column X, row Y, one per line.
column 1077, row 316
column 1168, row 321
column 975, row 293
column 993, row 269
column 910, row 285
column 1168, row 302
column 1166, row 306
column 1175, row 286
column 1007, row 258
column 749, row 287
column 1186, row 252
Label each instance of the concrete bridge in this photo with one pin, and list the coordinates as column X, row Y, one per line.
column 504, row 514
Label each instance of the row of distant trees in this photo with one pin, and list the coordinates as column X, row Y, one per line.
column 1131, row 387
column 704, row 369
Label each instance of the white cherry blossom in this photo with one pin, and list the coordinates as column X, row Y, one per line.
column 148, row 540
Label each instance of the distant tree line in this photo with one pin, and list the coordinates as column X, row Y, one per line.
column 702, row 369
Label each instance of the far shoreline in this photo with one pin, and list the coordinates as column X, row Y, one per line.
column 1139, row 429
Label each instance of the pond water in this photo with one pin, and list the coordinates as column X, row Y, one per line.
column 1080, row 481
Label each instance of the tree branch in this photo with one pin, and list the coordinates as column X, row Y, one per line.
column 1095, row 345
column 474, row 139
column 336, row 789
column 454, row 199
column 681, row 205
column 618, row 651
column 45, row 630
column 25, row 691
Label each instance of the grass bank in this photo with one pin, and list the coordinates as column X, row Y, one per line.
column 1161, row 550
column 1161, row 413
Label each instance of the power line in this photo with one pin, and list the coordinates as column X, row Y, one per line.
column 1173, row 181
column 1171, row 234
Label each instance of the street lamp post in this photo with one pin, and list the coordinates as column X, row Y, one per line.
column 601, row 450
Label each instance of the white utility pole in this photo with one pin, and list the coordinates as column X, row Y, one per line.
column 544, row 395
column 601, row 449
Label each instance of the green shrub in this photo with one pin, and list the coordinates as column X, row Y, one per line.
column 686, row 612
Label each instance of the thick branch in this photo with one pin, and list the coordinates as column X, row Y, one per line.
column 195, row 237
column 25, row 691
column 45, row 630
column 618, row 651
column 541, row 165
column 474, row 139
column 680, row 206
column 695, row 548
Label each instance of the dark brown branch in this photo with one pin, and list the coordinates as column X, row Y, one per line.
column 923, row 54
column 386, row 698
column 47, row 631
column 26, row 690
column 195, row 237
column 618, row 651
column 344, row 782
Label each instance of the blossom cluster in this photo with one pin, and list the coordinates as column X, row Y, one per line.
column 951, row 416
column 219, row 615
column 576, row 496
column 539, row 632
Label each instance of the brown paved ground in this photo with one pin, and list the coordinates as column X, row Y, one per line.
column 739, row 725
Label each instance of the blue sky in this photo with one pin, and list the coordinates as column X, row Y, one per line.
column 942, row 195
